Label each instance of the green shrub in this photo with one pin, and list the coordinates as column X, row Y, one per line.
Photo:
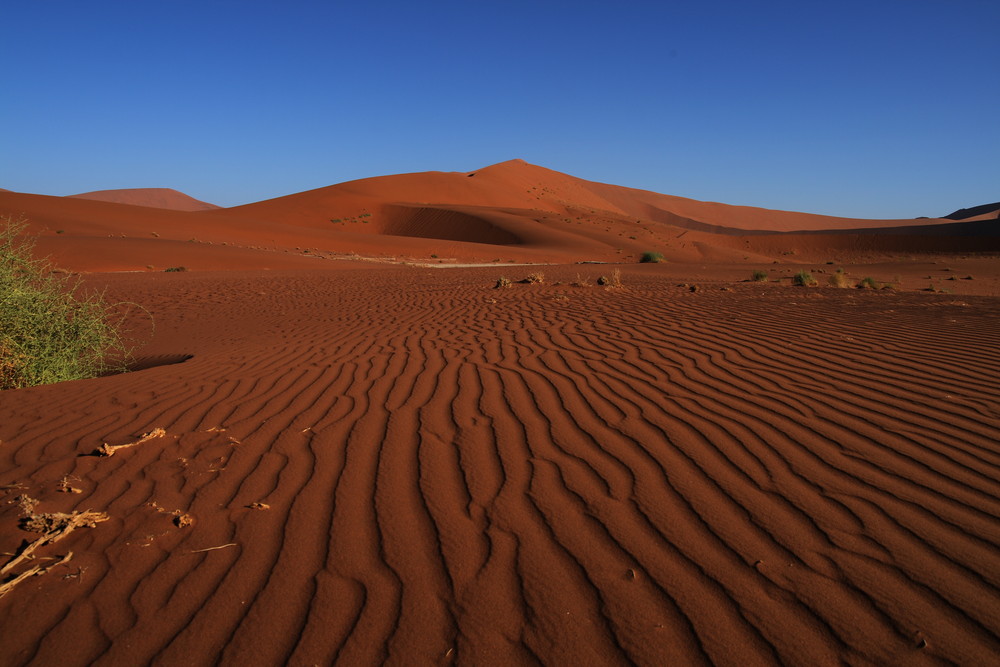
column 651, row 258
column 49, row 331
column 868, row 283
column 179, row 269
column 759, row 276
column 804, row 279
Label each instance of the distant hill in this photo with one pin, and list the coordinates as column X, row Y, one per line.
column 151, row 197
column 987, row 210
column 511, row 211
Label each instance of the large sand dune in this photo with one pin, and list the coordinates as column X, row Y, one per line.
column 366, row 463
column 155, row 197
column 509, row 211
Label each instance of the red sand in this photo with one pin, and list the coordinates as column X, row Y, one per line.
column 399, row 464
column 154, row 197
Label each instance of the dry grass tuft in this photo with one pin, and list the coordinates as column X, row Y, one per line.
column 615, row 280
column 535, row 278
column 840, row 279
column 503, row 282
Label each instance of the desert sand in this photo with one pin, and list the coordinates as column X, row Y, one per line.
column 368, row 459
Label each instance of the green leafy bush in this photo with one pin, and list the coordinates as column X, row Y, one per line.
column 651, row 258
column 759, row 276
column 49, row 330
column 804, row 279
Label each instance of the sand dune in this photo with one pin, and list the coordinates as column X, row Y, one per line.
column 447, row 472
column 153, row 197
column 509, row 211
column 364, row 462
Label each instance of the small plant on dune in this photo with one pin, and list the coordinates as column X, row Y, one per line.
column 503, row 282
column 868, row 283
column 804, row 279
column 49, row 330
column 613, row 281
column 175, row 269
column 759, row 276
column 534, row 279
column 840, row 279
column 651, row 258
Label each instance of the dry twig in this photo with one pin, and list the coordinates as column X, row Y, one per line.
column 109, row 450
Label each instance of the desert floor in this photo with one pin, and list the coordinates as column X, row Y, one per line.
column 394, row 464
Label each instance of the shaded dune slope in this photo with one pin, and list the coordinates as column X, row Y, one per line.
column 983, row 212
column 455, row 473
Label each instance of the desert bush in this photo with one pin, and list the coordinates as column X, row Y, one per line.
column 840, row 279
column 534, row 278
column 502, row 282
column 759, row 276
column 804, row 279
column 175, row 269
column 651, row 258
column 49, row 330
column 868, row 283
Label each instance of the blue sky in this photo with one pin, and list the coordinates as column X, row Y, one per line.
column 876, row 109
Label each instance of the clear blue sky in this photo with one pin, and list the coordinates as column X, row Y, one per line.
column 878, row 108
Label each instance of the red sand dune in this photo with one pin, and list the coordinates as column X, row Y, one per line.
column 510, row 211
column 393, row 464
column 154, row 197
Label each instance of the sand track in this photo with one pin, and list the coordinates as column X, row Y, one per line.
column 448, row 472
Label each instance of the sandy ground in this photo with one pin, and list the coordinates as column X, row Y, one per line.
column 367, row 460
column 404, row 465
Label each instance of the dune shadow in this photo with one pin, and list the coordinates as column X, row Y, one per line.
column 152, row 361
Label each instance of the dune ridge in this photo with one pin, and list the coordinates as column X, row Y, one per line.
column 508, row 211
column 167, row 198
column 408, row 466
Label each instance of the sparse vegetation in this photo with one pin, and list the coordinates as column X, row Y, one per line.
column 868, row 283
column 759, row 276
column 175, row 269
column 534, row 279
column 804, row 279
column 613, row 281
column 503, row 282
column 651, row 258
column 49, row 330
column 840, row 279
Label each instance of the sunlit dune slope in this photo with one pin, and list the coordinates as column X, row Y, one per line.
column 152, row 197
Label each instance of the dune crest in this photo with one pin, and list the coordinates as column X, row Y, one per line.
column 153, row 197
